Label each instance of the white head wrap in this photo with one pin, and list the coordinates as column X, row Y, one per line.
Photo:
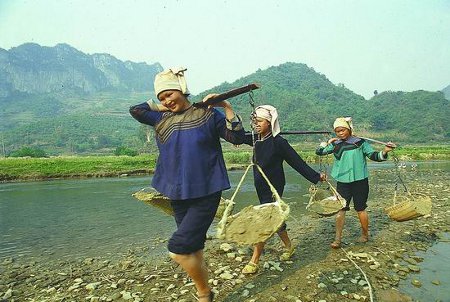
column 345, row 122
column 171, row 79
column 269, row 113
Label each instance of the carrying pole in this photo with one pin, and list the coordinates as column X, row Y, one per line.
column 226, row 95
column 298, row 132
column 391, row 145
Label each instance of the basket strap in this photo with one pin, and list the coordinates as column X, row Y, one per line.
column 395, row 193
column 333, row 191
column 272, row 188
column 240, row 183
column 399, row 178
column 313, row 191
column 336, row 193
column 230, row 205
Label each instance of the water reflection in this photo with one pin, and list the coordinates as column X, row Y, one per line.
column 434, row 274
column 70, row 218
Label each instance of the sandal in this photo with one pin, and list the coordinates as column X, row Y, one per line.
column 210, row 296
column 287, row 254
column 250, row 268
column 336, row 244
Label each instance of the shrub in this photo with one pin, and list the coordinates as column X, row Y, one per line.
column 121, row 150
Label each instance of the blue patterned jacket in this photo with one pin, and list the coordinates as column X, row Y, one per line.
column 190, row 162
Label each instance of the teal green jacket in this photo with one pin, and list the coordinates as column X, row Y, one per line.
column 350, row 162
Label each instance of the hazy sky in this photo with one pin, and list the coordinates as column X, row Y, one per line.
column 366, row 45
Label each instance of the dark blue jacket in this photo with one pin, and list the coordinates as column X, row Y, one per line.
column 269, row 153
column 190, row 162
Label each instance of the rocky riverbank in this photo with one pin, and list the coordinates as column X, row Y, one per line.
column 315, row 272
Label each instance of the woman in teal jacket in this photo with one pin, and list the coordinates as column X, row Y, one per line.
column 351, row 173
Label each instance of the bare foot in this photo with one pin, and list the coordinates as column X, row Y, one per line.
column 336, row 244
column 363, row 239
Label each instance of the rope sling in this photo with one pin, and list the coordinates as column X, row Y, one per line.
column 407, row 206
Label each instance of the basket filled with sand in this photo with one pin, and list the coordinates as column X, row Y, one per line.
column 161, row 202
column 325, row 201
column 253, row 224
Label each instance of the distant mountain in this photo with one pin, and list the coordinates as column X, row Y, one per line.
column 98, row 121
column 31, row 69
column 446, row 92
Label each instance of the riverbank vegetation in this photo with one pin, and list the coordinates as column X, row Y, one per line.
column 26, row 168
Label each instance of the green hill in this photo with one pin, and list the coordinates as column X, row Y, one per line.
column 307, row 100
column 99, row 122
column 94, row 124
column 419, row 116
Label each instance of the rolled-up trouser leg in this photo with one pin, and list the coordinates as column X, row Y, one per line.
column 193, row 218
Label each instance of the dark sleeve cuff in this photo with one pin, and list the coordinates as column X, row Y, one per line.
column 235, row 124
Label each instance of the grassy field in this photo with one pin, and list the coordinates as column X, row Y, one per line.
column 67, row 167
column 105, row 166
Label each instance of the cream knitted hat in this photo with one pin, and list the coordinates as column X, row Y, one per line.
column 345, row 122
column 171, row 79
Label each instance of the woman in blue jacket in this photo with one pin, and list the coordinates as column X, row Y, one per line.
column 190, row 169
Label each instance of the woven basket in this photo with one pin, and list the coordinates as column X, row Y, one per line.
column 155, row 199
column 325, row 202
column 409, row 207
column 162, row 202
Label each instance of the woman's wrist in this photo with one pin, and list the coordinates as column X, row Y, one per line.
column 226, row 105
column 230, row 115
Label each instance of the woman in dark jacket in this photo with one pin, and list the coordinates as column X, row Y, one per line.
column 269, row 152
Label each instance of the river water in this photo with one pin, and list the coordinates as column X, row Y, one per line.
column 68, row 219
column 91, row 217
